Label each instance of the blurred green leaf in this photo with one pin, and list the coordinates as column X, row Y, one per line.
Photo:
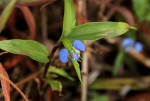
column 69, row 17
column 52, row 75
column 6, row 13
column 147, row 16
column 98, row 30
column 55, row 85
column 30, row 48
column 140, row 7
column 119, row 83
column 118, row 61
column 70, row 48
column 60, row 71
column 97, row 97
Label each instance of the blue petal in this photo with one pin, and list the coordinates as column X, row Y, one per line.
column 63, row 55
column 79, row 45
column 75, row 56
column 138, row 47
column 127, row 42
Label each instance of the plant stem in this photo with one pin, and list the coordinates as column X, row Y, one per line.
column 50, row 58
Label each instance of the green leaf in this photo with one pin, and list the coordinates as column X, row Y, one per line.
column 147, row 16
column 6, row 13
column 140, row 7
column 98, row 30
column 60, row 71
column 68, row 45
column 97, row 97
column 118, row 62
column 55, row 85
column 77, row 68
column 30, row 48
column 69, row 17
column 116, row 83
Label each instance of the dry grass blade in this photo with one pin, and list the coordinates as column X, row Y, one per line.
column 5, row 84
column 33, row 2
column 3, row 76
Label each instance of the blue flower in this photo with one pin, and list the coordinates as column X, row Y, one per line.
column 63, row 55
column 129, row 43
column 75, row 54
column 138, row 47
column 79, row 45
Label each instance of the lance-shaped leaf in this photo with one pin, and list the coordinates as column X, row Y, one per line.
column 30, row 48
column 6, row 13
column 60, row 71
column 69, row 17
column 98, row 30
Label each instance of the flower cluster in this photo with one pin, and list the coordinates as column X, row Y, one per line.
column 129, row 43
column 75, row 55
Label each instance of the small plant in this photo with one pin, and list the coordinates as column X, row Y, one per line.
column 71, row 39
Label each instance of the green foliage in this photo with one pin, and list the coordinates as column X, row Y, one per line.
column 118, row 61
column 68, row 24
column 77, row 68
column 69, row 46
column 97, row 97
column 69, row 17
column 60, row 71
column 6, row 13
column 30, row 48
column 89, row 31
column 117, row 83
column 141, row 8
column 98, row 30
column 55, row 85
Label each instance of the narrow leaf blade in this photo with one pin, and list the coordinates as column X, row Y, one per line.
column 6, row 13
column 77, row 68
column 98, row 30
column 30, row 48
column 60, row 71
column 69, row 17
column 118, row 62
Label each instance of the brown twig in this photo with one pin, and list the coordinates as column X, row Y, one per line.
column 29, row 78
column 51, row 59
column 44, row 23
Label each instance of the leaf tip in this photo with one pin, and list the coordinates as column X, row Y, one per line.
column 131, row 27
